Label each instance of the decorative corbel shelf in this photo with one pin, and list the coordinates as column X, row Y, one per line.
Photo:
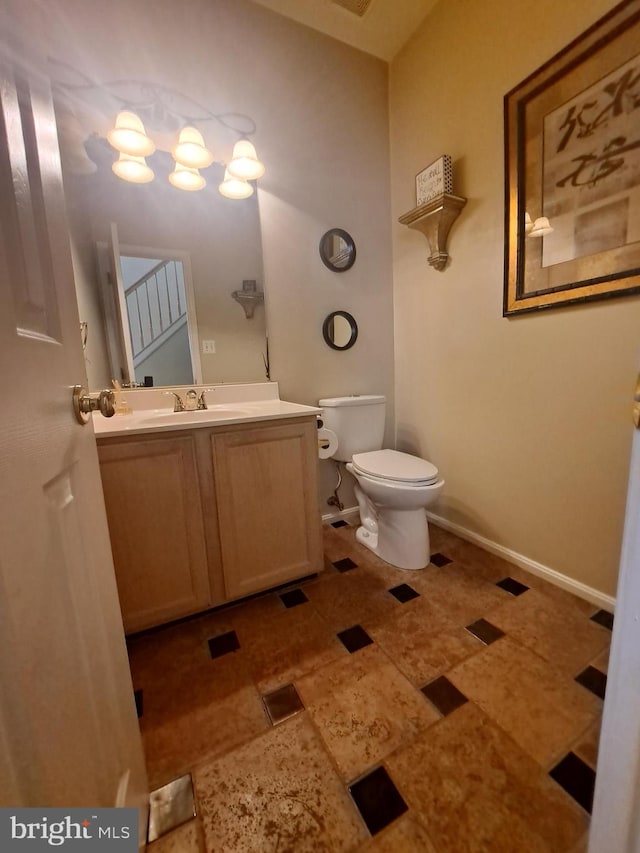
column 248, row 301
column 434, row 219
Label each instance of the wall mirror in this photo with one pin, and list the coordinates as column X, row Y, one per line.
column 218, row 244
column 337, row 250
column 340, row 330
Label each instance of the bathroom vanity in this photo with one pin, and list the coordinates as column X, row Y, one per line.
column 205, row 507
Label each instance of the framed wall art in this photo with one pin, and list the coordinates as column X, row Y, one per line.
column 572, row 151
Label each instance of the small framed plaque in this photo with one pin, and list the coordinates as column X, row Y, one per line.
column 436, row 179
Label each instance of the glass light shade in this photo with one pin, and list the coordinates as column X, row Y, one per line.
column 128, row 136
column 234, row 187
column 541, row 227
column 132, row 169
column 190, row 150
column 244, row 162
column 186, row 178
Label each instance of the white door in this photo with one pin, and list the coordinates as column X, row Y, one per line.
column 615, row 825
column 68, row 728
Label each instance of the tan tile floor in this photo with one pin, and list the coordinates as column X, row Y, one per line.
column 476, row 779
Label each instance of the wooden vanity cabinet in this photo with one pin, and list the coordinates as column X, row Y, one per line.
column 269, row 523
column 154, row 511
column 203, row 516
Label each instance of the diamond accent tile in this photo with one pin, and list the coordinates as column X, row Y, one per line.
column 223, row 644
column 282, row 704
column 345, row 565
column 404, row 593
column 513, row 586
column 339, row 523
column 444, row 695
column 354, row 638
column 378, row 800
column 485, row 631
column 440, row 560
column 593, row 680
column 604, row 618
column 577, row 778
column 293, row 598
column 170, row 806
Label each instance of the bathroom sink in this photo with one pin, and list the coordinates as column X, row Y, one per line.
column 212, row 414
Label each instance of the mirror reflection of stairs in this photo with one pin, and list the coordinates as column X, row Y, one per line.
column 156, row 305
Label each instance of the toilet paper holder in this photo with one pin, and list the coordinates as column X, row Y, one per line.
column 327, row 441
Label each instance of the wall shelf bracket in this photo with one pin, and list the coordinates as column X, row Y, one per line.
column 248, row 297
column 434, row 219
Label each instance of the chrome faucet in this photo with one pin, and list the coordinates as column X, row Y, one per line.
column 190, row 400
column 202, row 401
column 178, row 405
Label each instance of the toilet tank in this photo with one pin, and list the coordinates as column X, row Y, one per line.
column 357, row 421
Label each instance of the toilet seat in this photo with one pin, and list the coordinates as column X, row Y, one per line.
column 396, row 467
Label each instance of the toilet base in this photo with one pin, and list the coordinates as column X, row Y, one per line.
column 401, row 538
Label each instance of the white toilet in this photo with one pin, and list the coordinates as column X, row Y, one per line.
column 394, row 488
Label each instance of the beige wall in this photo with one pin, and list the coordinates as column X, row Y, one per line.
column 321, row 112
column 527, row 418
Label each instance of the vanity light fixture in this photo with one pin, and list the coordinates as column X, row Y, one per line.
column 129, row 137
column 244, row 162
column 133, row 169
column 190, row 150
column 163, row 111
column 186, row 178
column 234, row 187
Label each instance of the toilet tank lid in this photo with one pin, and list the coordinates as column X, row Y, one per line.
column 355, row 400
column 394, row 465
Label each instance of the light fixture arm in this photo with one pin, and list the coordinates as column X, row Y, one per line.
column 150, row 97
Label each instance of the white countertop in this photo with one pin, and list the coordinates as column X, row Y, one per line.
column 220, row 414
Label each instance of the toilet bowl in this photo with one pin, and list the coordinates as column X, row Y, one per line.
column 393, row 491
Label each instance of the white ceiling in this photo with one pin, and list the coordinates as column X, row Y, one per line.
column 384, row 28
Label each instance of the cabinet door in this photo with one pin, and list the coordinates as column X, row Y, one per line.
column 155, row 521
column 267, row 505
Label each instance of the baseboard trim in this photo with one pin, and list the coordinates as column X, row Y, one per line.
column 342, row 515
column 607, row 602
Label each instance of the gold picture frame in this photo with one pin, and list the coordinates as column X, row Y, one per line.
column 572, row 169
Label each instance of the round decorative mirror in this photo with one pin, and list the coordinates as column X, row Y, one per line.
column 340, row 330
column 337, row 250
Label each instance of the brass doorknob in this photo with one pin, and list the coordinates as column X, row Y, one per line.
column 84, row 403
